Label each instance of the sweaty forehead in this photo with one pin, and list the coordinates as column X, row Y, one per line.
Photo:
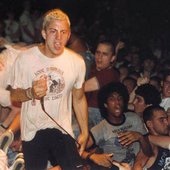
column 168, row 78
column 104, row 48
column 158, row 114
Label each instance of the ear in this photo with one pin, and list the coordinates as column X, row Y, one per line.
column 149, row 124
column 69, row 36
column 43, row 33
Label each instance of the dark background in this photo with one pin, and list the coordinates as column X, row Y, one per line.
column 139, row 19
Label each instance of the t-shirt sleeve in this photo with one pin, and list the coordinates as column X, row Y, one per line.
column 98, row 133
column 140, row 126
column 106, row 76
column 19, row 73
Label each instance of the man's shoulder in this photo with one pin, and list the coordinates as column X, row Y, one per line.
column 131, row 114
column 33, row 51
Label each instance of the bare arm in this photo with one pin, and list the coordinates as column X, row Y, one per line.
column 37, row 91
column 91, row 84
column 165, row 141
column 15, row 125
column 140, row 161
column 80, row 108
column 127, row 138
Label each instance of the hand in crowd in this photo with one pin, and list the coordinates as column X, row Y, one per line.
column 128, row 137
column 122, row 166
column 119, row 46
column 102, row 159
column 82, row 141
column 142, row 80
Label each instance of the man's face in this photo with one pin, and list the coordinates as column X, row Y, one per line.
column 166, row 87
column 159, row 123
column 168, row 113
column 115, row 105
column 103, row 56
column 148, row 65
column 139, row 104
column 56, row 35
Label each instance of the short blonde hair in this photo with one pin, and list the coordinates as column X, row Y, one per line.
column 54, row 14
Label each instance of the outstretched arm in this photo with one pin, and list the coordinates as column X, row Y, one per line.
column 128, row 137
column 141, row 161
column 165, row 141
column 80, row 108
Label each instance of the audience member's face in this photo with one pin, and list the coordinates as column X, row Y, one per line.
column 135, row 60
column 148, row 65
column 166, row 87
column 103, row 56
column 139, row 104
column 156, row 84
column 115, row 105
column 159, row 123
column 56, row 36
column 130, row 85
column 168, row 113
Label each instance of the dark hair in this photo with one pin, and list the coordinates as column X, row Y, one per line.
column 106, row 91
column 108, row 43
column 150, row 94
column 130, row 79
column 148, row 112
column 166, row 74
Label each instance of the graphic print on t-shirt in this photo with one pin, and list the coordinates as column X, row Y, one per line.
column 55, row 81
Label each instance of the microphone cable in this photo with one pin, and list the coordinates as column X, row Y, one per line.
column 43, row 108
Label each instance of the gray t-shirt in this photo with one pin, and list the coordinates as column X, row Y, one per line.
column 105, row 135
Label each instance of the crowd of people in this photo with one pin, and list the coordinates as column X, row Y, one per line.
column 71, row 103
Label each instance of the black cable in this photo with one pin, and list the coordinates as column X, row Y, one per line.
column 43, row 108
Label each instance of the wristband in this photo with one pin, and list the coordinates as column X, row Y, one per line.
column 29, row 93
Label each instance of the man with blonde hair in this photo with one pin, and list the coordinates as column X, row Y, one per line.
column 47, row 78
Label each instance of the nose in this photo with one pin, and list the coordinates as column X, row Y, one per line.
column 58, row 35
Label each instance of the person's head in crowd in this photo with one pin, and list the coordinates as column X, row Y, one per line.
column 124, row 71
column 168, row 114
column 145, row 95
column 52, row 36
column 166, row 84
column 155, row 81
column 166, row 64
column 149, row 64
column 135, row 61
column 113, row 100
column 104, row 55
column 134, row 74
column 156, row 120
column 130, row 84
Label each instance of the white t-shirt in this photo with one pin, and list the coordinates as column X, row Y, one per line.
column 165, row 103
column 63, row 73
column 7, row 58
